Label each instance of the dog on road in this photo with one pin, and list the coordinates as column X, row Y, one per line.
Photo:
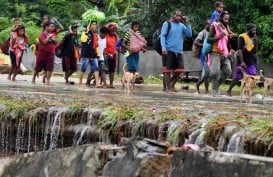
column 128, row 79
column 248, row 83
column 268, row 83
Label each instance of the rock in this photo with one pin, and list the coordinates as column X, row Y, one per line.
column 4, row 68
column 99, row 160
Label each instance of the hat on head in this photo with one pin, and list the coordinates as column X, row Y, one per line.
column 112, row 26
column 249, row 26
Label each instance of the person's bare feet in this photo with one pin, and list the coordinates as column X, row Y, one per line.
column 99, row 86
column 173, row 90
column 33, row 80
column 48, row 83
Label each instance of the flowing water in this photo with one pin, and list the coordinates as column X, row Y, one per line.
column 58, row 125
column 236, row 143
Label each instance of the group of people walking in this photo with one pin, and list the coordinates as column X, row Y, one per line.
column 216, row 51
column 99, row 50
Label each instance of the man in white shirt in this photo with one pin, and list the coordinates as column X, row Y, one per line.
column 102, row 65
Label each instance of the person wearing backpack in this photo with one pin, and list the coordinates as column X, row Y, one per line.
column 245, row 55
column 70, row 53
column 172, row 48
column 204, row 58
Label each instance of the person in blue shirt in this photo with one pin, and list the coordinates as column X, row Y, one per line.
column 219, row 6
column 172, row 48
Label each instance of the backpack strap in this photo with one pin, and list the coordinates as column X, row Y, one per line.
column 169, row 28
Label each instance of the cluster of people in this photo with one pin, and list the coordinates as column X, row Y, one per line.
column 99, row 51
column 216, row 63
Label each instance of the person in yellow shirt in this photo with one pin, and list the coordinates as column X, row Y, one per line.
column 246, row 55
column 89, row 53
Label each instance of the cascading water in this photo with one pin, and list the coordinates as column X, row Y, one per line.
column 193, row 136
column 55, row 128
column 197, row 136
column 221, row 144
column 173, row 132
column 162, row 131
column 3, row 137
column 20, row 136
column 47, row 126
column 81, row 135
column 236, row 143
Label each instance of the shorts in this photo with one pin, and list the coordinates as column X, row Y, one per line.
column 69, row 64
column 250, row 69
column 94, row 66
column 111, row 62
column 133, row 61
column 205, row 71
column 173, row 62
column 45, row 63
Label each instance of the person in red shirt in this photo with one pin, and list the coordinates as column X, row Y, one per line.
column 45, row 53
column 18, row 41
column 111, row 57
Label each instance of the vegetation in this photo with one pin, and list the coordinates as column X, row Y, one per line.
column 151, row 14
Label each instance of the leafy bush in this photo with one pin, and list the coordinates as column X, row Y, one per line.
column 4, row 35
column 4, row 23
column 265, row 24
column 33, row 33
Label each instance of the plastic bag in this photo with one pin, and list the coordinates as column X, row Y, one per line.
column 137, row 42
column 206, row 47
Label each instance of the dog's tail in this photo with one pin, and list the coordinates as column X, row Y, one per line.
column 262, row 74
column 124, row 67
column 242, row 70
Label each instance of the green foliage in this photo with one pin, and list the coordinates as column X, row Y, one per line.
column 265, row 41
column 151, row 15
column 33, row 33
column 258, row 12
column 4, row 23
column 16, row 108
column 4, row 34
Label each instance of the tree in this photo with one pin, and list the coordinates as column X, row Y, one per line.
column 150, row 13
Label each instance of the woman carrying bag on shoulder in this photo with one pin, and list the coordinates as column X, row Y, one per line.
column 134, row 43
